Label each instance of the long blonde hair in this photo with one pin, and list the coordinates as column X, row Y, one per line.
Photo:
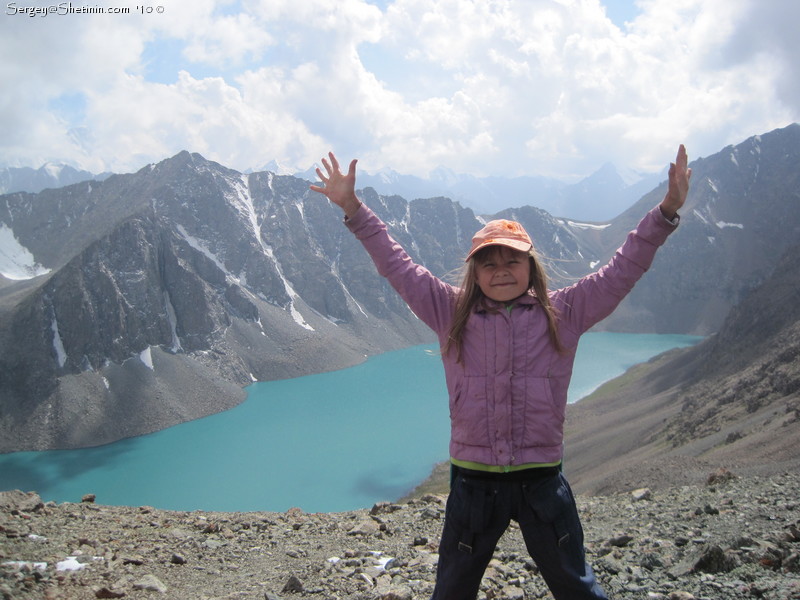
column 471, row 296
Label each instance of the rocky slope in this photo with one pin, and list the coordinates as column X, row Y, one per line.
column 740, row 217
column 733, row 400
column 727, row 538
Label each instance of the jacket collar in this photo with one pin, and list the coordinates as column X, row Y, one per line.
column 527, row 300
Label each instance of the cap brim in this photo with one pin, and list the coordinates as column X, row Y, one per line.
column 513, row 244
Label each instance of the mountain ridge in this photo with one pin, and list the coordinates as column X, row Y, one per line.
column 599, row 196
column 171, row 288
column 48, row 175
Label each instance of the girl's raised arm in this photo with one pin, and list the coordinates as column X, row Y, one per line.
column 337, row 187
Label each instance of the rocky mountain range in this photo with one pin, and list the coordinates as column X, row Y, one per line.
column 598, row 197
column 148, row 299
column 49, row 175
column 741, row 215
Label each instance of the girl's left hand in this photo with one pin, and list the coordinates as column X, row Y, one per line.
column 679, row 175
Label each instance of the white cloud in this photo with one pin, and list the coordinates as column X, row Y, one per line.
column 228, row 39
column 523, row 86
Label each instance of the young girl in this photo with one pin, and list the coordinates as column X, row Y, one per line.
column 508, row 345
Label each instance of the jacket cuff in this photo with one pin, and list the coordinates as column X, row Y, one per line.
column 361, row 216
column 674, row 221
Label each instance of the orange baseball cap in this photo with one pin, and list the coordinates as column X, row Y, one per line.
column 501, row 233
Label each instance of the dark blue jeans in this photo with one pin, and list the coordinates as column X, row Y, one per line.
column 480, row 508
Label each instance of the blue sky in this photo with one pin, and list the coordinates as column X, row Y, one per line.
column 489, row 87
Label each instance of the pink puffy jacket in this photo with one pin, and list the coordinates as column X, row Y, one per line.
column 508, row 398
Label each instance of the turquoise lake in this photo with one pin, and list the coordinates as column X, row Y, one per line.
column 324, row 443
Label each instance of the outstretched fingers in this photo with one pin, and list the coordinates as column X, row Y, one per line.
column 681, row 163
column 323, row 189
column 336, row 186
column 332, row 170
column 682, row 159
column 319, row 188
column 678, row 184
column 334, row 162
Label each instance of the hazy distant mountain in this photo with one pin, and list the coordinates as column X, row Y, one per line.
column 605, row 193
column 49, row 175
column 599, row 197
column 148, row 299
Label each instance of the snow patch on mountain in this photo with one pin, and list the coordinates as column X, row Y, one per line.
column 723, row 225
column 173, row 323
column 58, row 345
column 578, row 225
column 16, row 261
column 242, row 200
column 201, row 247
column 53, row 170
column 147, row 358
column 298, row 318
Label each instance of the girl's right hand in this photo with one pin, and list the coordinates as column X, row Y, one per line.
column 339, row 188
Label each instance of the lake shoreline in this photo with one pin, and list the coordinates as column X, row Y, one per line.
column 265, row 452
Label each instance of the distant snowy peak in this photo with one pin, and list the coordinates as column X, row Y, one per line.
column 310, row 174
column 632, row 177
column 446, row 176
column 598, row 197
column 607, row 173
column 388, row 176
column 54, row 170
column 278, row 168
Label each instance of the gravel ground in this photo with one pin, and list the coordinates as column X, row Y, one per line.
column 734, row 537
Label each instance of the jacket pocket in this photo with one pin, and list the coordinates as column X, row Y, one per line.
column 542, row 419
column 469, row 413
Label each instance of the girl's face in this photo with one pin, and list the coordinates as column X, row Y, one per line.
column 503, row 274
